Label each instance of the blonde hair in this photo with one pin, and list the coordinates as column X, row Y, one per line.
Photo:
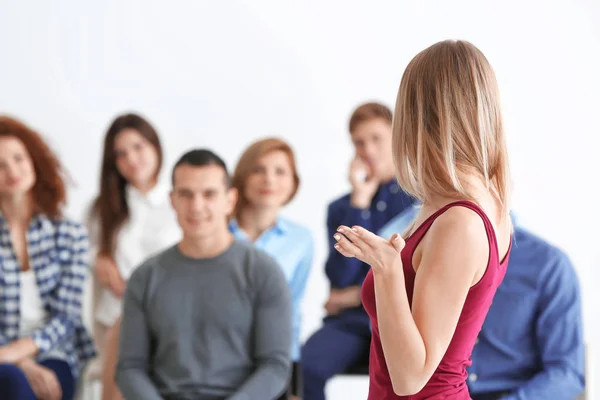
column 448, row 122
column 248, row 161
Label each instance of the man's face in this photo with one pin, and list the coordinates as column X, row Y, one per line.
column 372, row 141
column 202, row 200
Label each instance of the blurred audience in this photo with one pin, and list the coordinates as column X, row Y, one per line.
column 209, row 317
column 199, row 289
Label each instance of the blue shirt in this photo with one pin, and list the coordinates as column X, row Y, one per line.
column 531, row 343
column 291, row 245
column 342, row 272
column 400, row 222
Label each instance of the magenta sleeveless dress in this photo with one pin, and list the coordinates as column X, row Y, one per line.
column 449, row 379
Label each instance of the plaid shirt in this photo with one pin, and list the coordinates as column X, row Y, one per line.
column 58, row 255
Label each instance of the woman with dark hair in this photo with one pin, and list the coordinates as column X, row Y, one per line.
column 43, row 265
column 130, row 220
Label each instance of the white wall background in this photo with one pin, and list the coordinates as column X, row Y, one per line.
column 221, row 74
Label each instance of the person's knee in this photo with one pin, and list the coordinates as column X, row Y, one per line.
column 330, row 351
column 316, row 361
column 12, row 379
column 62, row 371
column 12, row 372
column 312, row 373
column 309, row 363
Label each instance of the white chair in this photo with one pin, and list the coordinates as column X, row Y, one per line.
column 352, row 384
column 348, row 387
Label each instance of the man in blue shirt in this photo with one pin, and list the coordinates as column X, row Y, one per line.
column 376, row 198
column 531, row 343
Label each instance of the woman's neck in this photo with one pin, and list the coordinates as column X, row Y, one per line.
column 17, row 209
column 145, row 187
column 478, row 193
column 255, row 221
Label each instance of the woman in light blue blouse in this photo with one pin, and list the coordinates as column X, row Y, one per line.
column 43, row 265
column 267, row 179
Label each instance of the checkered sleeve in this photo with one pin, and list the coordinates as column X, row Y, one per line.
column 66, row 305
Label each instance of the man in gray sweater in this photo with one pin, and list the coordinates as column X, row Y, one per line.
column 209, row 318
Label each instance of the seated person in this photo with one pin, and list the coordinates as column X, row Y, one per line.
column 266, row 179
column 210, row 317
column 44, row 345
column 121, row 238
column 344, row 339
column 531, row 343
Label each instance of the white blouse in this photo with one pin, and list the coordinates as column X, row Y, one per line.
column 31, row 307
column 152, row 227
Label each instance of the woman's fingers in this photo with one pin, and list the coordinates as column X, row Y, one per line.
column 346, row 247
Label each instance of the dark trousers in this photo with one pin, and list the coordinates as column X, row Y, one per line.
column 333, row 349
column 14, row 384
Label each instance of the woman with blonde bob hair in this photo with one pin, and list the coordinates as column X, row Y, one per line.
column 266, row 179
column 427, row 294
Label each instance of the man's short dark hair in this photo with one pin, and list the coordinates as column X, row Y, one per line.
column 201, row 158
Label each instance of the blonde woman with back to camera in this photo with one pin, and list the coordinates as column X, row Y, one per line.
column 428, row 293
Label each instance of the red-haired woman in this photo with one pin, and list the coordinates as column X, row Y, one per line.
column 43, row 266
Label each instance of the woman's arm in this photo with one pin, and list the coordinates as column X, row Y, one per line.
column 454, row 251
column 17, row 350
